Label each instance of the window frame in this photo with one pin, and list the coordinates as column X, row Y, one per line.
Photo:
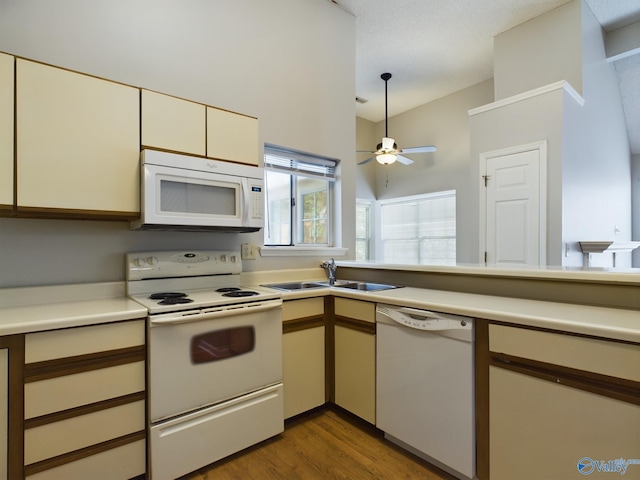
column 369, row 237
column 300, row 165
column 408, row 199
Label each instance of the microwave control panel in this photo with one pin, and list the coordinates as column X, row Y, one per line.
column 257, row 201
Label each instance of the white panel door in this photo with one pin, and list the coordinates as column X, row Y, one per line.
column 514, row 206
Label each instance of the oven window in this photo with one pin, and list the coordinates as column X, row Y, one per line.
column 221, row 344
column 184, row 197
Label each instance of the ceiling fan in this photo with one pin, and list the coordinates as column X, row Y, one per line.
column 388, row 152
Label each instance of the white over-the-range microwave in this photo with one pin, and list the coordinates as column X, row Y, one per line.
column 180, row 192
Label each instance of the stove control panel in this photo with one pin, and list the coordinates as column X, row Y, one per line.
column 147, row 265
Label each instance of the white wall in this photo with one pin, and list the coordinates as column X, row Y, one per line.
column 267, row 59
column 366, row 139
column 589, row 160
column 635, row 205
column 544, row 50
column 443, row 123
column 597, row 159
column 532, row 120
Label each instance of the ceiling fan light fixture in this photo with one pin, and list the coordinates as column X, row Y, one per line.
column 386, row 158
column 388, row 143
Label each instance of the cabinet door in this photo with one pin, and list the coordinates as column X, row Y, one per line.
column 303, row 349
column 540, row 429
column 78, row 142
column 4, row 410
column 171, row 123
column 355, row 374
column 355, row 357
column 6, row 130
column 231, row 136
column 303, row 370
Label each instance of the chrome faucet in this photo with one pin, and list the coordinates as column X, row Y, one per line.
column 331, row 270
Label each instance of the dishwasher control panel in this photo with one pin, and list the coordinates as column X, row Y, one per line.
column 422, row 319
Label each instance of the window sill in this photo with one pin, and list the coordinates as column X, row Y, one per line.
column 302, row 251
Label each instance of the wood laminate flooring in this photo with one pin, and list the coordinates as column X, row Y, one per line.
column 325, row 444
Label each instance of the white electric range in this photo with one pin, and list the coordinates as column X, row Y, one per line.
column 214, row 358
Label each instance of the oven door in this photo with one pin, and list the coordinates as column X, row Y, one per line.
column 205, row 358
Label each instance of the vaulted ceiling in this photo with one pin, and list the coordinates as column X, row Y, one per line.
column 434, row 48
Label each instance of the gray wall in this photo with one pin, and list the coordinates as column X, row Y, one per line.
column 535, row 119
column 588, row 183
column 635, row 205
column 525, row 58
column 597, row 159
column 266, row 59
column 443, row 123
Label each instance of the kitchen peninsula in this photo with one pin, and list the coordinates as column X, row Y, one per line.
column 593, row 310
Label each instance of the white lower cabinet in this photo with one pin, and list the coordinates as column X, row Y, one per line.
column 84, row 402
column 541, row 429
column 561, row 406
column 355, row 357
column 303, row 349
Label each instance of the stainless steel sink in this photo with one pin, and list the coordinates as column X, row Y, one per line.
column 363, row 286
column 368, row 286
column 337, row 283
column 289, row 286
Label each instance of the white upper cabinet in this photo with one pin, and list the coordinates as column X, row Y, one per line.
column 170, row 123
column 78, row 143
column 232, row 136
column 6, row 130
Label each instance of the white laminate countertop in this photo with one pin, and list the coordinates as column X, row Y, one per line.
column 626, row 276
column 611, row 323
column 32, row 309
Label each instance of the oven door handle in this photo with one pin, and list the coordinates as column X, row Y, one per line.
column 214, row 312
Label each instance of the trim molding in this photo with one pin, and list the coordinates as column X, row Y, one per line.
column 562, row 84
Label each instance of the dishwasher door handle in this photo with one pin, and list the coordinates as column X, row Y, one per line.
column 425, row 320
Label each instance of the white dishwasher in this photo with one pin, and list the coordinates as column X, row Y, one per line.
column 424, row 385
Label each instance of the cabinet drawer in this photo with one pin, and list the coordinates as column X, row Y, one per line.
column 308, row 307
column 357, row 309
column 599, row 356
column 53, row 439
column 54, row 344
column 62, row 393
column 126, row 461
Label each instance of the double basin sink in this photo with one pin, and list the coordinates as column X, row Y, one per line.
column 362, row 286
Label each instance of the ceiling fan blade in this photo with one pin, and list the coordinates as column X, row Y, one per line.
column 427, row 148
column 404, row 160
column 366, row 161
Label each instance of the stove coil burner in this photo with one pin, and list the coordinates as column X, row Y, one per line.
column 175, row 301
column 228, row 289
column 170, row 298
column 240, row 293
